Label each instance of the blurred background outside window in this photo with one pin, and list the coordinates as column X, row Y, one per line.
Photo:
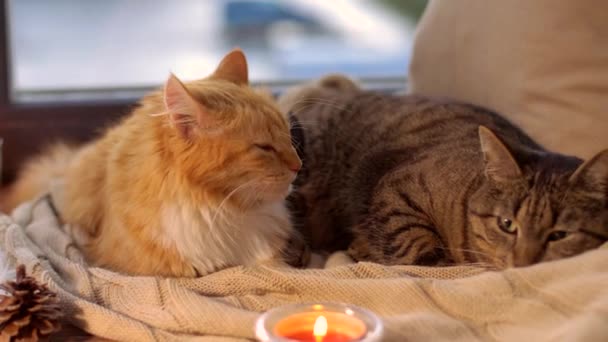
column 88, row 49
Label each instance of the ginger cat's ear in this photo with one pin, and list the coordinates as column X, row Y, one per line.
column 185, row 113
column 233, row 68
column 499, row 162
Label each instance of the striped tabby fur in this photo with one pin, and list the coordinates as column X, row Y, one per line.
column 412, row 180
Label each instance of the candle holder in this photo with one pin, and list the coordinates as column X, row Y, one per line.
column 319, row 322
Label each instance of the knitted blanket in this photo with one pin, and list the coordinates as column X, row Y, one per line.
column 565, row 300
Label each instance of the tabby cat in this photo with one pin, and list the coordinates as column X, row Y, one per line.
column 413, row 180
column 192, row 181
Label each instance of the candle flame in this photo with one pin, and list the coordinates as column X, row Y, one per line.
column 320, row 327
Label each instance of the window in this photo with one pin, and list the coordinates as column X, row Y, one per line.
column 72, row 65
column 67, row 47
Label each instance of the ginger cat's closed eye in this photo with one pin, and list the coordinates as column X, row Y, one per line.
column 192, row 181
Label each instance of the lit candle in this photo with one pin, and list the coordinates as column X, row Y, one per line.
column 328, row 322
column 319, row 330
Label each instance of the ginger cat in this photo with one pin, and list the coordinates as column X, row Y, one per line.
column 194, row 180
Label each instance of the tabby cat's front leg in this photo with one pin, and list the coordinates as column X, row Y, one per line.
column 417, row 246
column 396, row 231
column 296, row 252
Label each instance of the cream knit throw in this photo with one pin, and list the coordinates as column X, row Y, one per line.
column 559, row 301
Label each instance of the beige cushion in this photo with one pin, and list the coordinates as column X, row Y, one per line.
column 542, row 63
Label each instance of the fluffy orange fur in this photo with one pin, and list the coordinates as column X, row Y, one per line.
column 192, row 181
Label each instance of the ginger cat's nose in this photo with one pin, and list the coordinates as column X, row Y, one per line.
column 295, row 166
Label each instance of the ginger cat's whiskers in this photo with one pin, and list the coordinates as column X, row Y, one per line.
column 220, row 207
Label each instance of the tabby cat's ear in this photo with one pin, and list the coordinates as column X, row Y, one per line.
column 185, row 113
column 593, row 174
column 499, row 162
column 233, row 68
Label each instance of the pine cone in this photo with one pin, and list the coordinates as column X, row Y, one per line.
column 30, row 311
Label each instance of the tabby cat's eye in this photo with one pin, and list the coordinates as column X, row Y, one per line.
column 557, row 235
column 507, row 225
column 265, row 147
